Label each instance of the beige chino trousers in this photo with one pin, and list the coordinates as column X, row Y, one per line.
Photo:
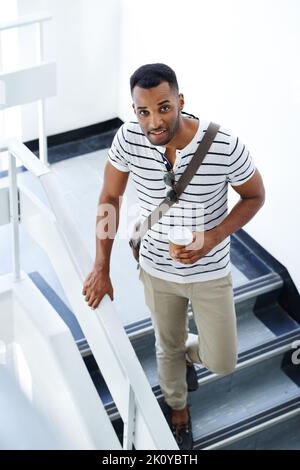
column 215, row 346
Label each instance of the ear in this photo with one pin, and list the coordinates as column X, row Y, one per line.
column 133, row 108
column 181, row 101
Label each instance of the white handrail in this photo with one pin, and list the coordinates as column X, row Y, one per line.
column 29, row 160
column 104, row 332
column 24, row 21
column 37, row 20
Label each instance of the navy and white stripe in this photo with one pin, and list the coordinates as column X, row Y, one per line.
column 203, row 204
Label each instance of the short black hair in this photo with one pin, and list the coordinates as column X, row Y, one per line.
column 151, row 75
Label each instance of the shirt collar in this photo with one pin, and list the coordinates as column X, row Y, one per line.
column 191, row 144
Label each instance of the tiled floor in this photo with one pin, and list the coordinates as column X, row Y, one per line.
column 80, row 180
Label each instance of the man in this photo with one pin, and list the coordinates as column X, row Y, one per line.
column 165, row 138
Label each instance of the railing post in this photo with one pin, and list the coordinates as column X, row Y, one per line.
column 43, row 151
column 129, row 423
column 14, row 215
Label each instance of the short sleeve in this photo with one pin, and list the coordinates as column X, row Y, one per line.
column 117, row 153
column 240, row 163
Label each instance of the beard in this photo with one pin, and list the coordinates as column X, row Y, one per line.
column 168, row 135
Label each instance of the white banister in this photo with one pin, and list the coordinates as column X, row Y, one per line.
column 129, row 423
column 145, row 425
column 41, row 103
column 37, row 20
column 29, row 160
column 14, row 215
column 42, row 357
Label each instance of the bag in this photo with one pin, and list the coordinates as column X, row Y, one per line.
column 140, row 229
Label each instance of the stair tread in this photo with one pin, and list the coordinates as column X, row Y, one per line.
column 252, row 332
column 239, row 396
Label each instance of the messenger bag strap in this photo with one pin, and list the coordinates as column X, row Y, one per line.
column 184, row 180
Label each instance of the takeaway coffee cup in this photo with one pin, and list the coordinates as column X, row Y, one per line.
column 179, row 237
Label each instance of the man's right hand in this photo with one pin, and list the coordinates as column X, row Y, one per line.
column 96, row 285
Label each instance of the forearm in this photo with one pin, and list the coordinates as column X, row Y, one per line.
column 107, row 223
column 239, row 216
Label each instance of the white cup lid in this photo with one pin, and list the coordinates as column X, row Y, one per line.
column 180, row 235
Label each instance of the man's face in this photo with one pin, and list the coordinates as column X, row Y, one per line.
column 158, row 112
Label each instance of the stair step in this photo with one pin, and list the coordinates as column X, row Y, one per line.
column 278, row 433
column 253, row 330
column 247, row 358
column 242, row 401
column 227, row 409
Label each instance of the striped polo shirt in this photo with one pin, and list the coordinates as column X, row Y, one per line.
column 202, row 206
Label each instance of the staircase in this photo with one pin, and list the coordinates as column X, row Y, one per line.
column 258, row 405
column 51, row 227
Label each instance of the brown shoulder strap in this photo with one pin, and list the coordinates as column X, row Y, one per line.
column 184, row 180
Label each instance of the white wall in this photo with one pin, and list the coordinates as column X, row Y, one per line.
column 83, row 39
column 237, row 63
